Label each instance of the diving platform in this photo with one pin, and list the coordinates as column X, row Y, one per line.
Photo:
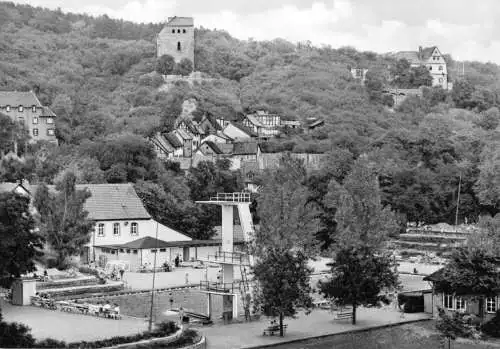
column 234, row 258
column 228, row 199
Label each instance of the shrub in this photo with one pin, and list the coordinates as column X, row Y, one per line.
column 189, row 336
column 167, row 327
column 492, row 327
column 14, row 335
column 50, row 343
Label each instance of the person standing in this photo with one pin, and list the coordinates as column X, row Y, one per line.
column 177, row 261
column 122, row 271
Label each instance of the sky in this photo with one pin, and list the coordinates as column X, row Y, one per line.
column 463, row 28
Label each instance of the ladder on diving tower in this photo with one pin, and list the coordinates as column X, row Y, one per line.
column 245, row 292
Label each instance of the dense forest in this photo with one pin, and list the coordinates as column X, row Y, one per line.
column 98, row 75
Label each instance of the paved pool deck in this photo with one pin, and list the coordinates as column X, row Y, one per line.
column 318, row 323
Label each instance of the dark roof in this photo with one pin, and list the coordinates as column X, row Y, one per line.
column 212, row 121
column 180, row 22
column 436, row 276
column 13, row 98
column 152, row 243
column 416, row 57
column 226, row 148
column 183, row 134
column 113, row 201
column 245, row 148
column 48, row 112
column 214, row 147
column 173, row 140
column 245, row 129
column 146, row 242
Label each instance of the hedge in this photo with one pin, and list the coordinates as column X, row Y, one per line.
column 163, row 329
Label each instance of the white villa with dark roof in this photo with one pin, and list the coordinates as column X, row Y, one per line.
column 24, row 107
column 432, row 59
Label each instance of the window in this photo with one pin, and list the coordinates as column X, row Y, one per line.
column 121, row 250
column 135, row 251
column 35, row 132
column 153, row 251
column 448, row 301
column 7, row 108
column 173, row 31
column 440, row 80
column 163, row 250
column 100, row 229
column 440, row 67
column 134, row 229
column 128, row 250
column 116, row 228
column 20, row 108
column 178, row 46
column 113, row 251
column 50, row 121
column 430, row 68
column 491, row 304
column 35, row 120
column 460, row 304
column 184, row 31
column 178, row 30
column 33, row 109
column 50, row 132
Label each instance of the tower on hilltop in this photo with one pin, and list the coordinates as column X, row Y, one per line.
column 177, row 39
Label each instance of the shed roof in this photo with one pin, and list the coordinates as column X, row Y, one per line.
column 14, row 98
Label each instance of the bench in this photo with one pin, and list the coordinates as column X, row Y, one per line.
column 343, row 314
column 273, row 329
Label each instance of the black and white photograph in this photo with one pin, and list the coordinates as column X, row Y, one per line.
column 288, row 174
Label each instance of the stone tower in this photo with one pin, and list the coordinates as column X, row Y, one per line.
column 177, row 39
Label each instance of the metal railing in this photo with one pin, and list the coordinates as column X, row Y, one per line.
column 225, row 287
column 233, row 197
column 230, row 258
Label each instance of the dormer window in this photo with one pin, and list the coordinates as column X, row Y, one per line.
column 7, row 108
column 20, row 108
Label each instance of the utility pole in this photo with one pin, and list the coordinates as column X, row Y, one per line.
column 153, row 287
column 458, row 199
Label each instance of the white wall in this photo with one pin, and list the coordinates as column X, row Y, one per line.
column 235, row 133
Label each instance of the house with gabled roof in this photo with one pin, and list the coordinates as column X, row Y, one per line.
column 264, row 124
column 186, row 138
column 25, row 108
column 432, row 59
column 245, row 152
column 210, row 149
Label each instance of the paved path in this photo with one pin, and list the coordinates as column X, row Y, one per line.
column 70, row 327
column 319, row 322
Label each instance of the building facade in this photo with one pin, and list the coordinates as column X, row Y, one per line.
column 177, row 39
column 25, row 108
column 432, row 59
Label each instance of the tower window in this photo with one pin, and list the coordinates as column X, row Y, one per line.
column 184, row 31
column 35, row 132
column 178, row 46
column 178, row 30
column 173, row 31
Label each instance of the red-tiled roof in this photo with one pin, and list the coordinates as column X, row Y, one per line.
column 180, row 22
column 173, row 140
column 13, row 98
column 113, row 201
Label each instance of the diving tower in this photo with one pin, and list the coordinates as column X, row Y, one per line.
column 227, row 257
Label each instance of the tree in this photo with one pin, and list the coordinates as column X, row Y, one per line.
column 19, row 242
column 288, row 220
column 360, row 216
column 488, row 237
column 284, row 286
column 64, row 222
column 451, row 327
column 358, row 277
column 15, row 335
column 184, row 67
column 165, row 65
column 488, row 184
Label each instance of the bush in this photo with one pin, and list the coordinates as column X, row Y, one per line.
column 50, row 343
column 167, row 327
column 492, row 327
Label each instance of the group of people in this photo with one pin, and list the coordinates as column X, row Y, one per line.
column 105, row 309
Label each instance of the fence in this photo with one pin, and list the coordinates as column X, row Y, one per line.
column 233, row 197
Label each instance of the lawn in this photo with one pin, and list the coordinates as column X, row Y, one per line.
column 411, row 336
